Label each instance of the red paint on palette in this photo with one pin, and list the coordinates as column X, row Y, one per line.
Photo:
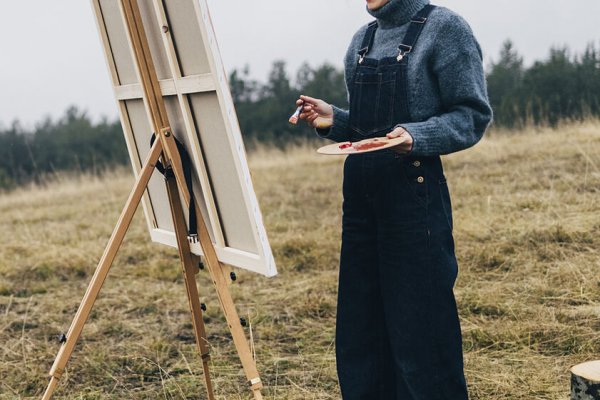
column 369, row 145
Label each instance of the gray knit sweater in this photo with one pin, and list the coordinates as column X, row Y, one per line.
column 448, row 101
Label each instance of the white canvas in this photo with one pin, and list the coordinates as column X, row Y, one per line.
column 202, row 116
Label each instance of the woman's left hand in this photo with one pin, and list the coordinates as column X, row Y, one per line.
column 406, row 145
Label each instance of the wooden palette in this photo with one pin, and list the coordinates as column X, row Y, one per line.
column 363, row 146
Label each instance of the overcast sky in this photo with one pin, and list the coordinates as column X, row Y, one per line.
column 50, row 55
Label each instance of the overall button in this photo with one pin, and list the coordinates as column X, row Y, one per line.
column 417, row 163
column 420, row 179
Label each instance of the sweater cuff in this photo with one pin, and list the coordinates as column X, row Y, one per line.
column 425, row 140
column 340, row 131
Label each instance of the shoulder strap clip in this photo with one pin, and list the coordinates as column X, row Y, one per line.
column 417, row 23
column 367, row 41
column 403, row 50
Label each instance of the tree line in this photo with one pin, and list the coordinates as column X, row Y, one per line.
column 71, row 143
column 564, row 86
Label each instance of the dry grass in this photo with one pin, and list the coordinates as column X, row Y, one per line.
column 527, row 227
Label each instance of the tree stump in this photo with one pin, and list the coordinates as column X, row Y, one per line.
column 585, row 381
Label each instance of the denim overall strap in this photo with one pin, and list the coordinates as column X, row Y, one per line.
column 367, row 41
column 417, row 23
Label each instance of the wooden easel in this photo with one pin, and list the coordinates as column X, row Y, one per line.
column 164, row 148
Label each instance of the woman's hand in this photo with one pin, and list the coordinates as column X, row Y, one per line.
column 316, row 112
column 406, row 145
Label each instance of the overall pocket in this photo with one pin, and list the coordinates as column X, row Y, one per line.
column 372, row 102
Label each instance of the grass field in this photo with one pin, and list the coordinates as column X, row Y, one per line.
column 527, row 229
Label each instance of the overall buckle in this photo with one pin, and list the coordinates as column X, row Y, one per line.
column 361, row 54
column 404, row 50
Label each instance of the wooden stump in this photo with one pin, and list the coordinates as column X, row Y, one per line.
column 585, row 381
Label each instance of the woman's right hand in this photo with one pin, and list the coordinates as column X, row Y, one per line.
column 316, row 112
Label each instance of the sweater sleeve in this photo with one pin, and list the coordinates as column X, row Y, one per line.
column 340, row 131
column 457, row 64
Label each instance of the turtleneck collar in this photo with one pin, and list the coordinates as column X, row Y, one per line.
column 397, row 12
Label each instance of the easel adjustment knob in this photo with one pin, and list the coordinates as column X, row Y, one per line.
column 243, row 322
column 203, row 307
column 62, row 338
column 233, row 276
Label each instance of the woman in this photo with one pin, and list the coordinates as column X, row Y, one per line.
column 415, row 72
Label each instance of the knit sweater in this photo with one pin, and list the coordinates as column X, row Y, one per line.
column 448, row 102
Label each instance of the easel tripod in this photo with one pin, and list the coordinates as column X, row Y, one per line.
column 164, row 148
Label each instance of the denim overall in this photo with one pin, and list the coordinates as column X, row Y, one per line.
column 398, row 334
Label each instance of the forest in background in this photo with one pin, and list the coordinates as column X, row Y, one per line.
column 564, row 86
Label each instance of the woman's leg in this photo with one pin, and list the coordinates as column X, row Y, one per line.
column 418, row 270
column 362, row 347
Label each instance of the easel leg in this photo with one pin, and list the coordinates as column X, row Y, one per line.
column 237, row 331
column 189, row 276
column 102, row 270
column 219, row 279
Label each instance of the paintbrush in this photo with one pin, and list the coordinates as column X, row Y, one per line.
column 294, row 118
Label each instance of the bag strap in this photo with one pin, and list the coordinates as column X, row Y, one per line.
column 186, row 164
